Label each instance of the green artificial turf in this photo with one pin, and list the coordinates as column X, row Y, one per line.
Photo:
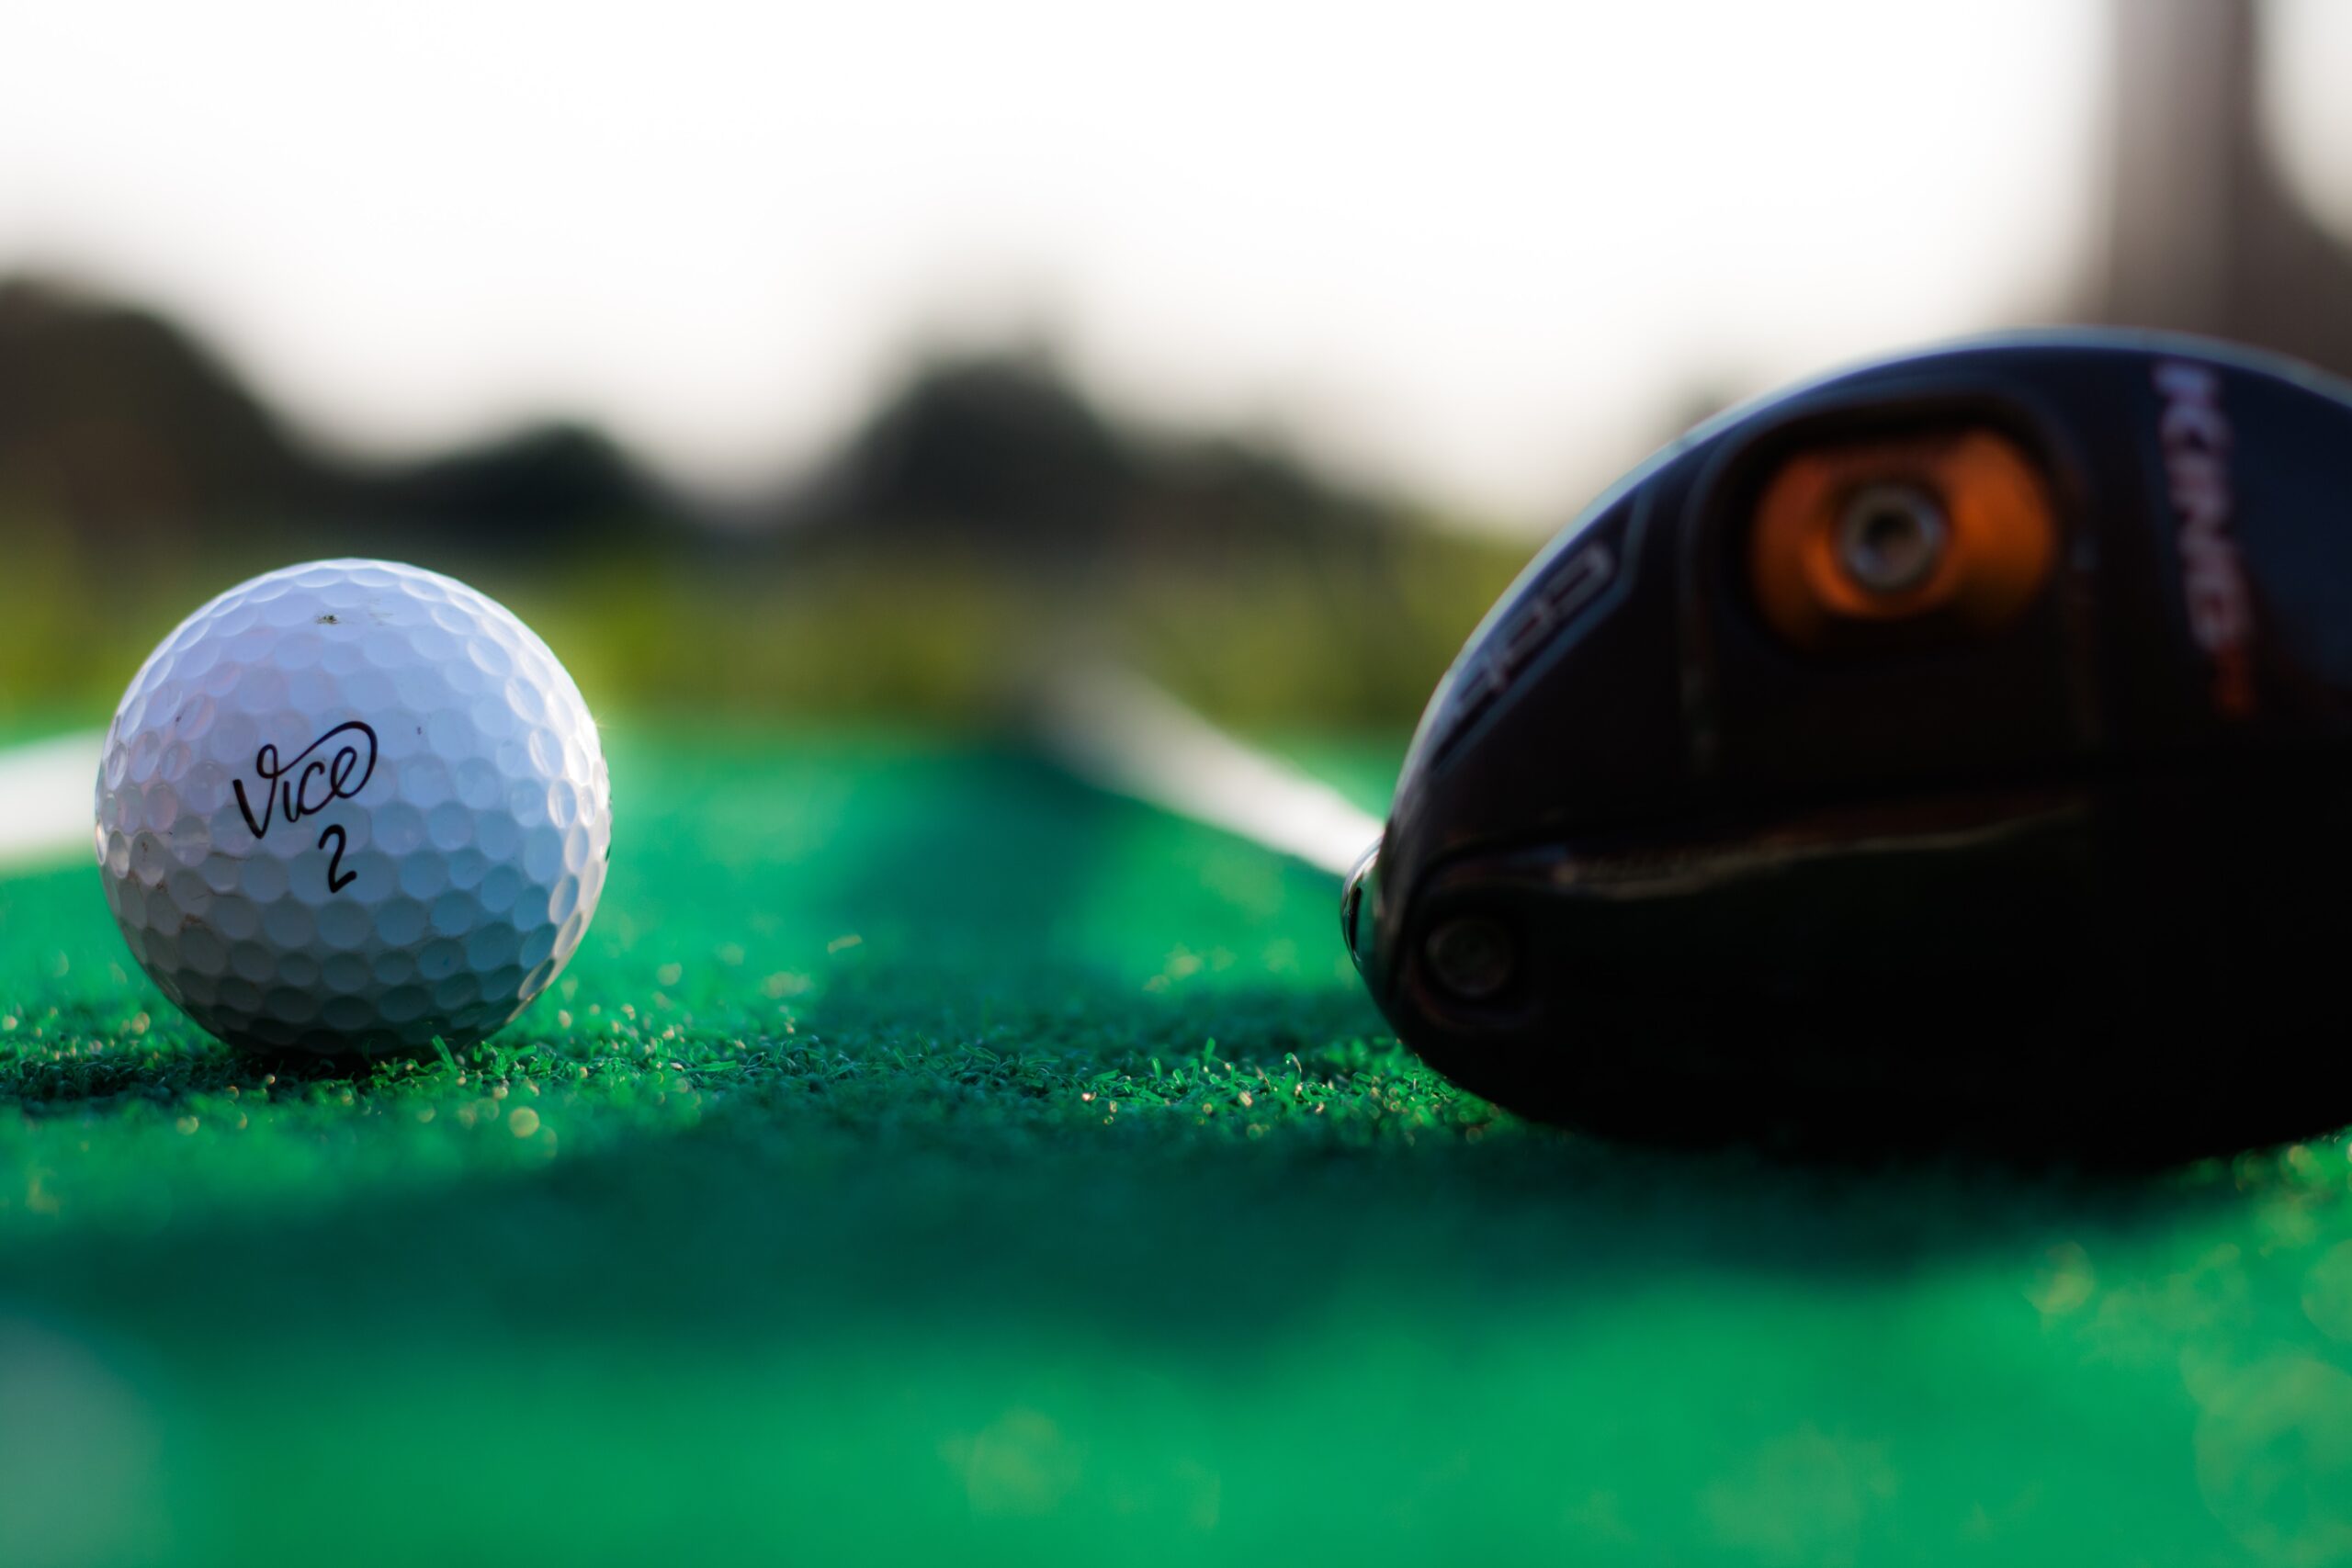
column 930, row 1159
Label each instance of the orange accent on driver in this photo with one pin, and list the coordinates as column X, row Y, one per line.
column 1987, row 505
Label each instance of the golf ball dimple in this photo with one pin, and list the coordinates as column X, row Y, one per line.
column 351, row 806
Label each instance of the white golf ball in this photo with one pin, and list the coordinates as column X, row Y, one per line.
column 353, row 806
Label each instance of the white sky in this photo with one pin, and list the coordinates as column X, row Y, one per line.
column 1481, row 249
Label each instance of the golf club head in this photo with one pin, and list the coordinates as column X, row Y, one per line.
column 1956, row 749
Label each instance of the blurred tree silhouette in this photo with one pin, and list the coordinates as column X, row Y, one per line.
column 552, row 484
column 986, row 518
column 998, row 449
column 120, row 426
column 116, row 422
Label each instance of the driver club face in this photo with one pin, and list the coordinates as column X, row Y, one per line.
column 1954, row 750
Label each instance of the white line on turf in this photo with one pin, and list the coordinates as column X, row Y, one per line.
column 45, row 791
column 1120, row 733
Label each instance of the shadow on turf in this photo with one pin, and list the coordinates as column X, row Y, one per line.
column 180, row 1063
column 808, row 1199
column 795, row 1210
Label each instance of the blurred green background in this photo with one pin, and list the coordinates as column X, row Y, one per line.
column 987, row 497
column 930, row 1156
column 984, row 517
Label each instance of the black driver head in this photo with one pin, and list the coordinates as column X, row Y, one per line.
column 1954, row 750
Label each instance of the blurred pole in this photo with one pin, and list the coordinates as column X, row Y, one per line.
column 2205, row 234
